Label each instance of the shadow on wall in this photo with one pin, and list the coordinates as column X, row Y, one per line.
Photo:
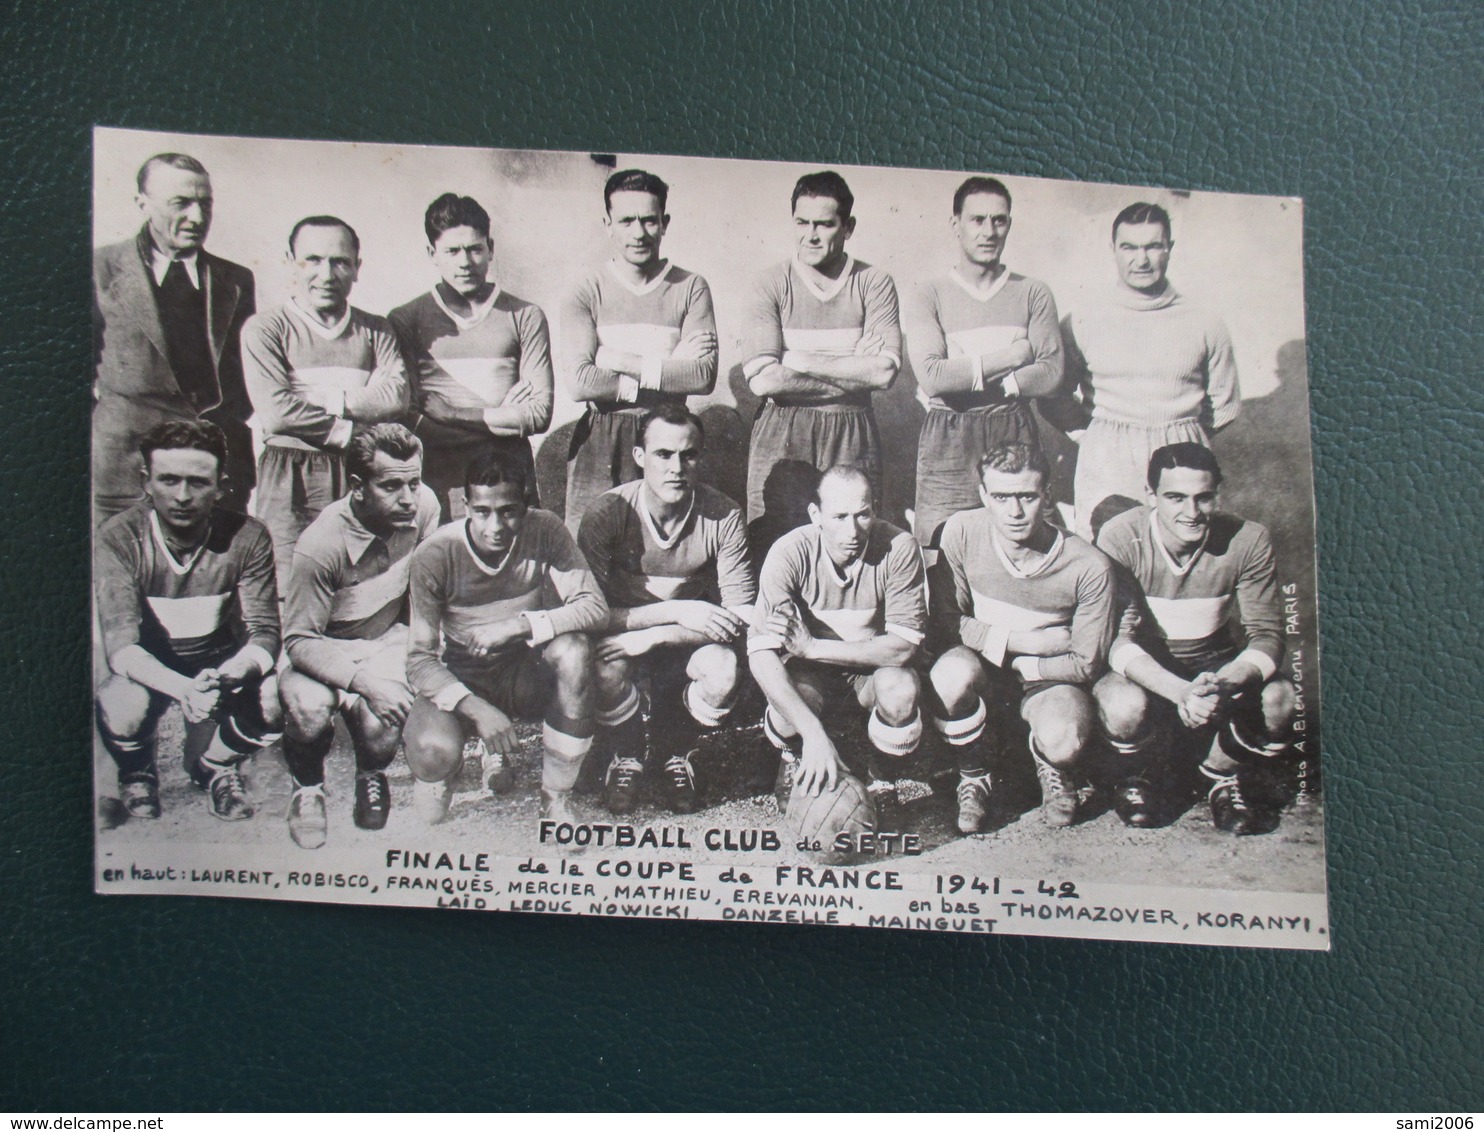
column 551, row 468
column 1267, row 470
column 898, row 418
column 1265, row 461
column 724, row 466
column 725, row 463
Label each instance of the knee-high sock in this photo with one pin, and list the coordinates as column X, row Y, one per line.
column 562, row 754
column 620, row 729
column 964, row 735
column 898, row 740
column 306, row 760
column 134, row 755
column 236, row 739
column 773, row 727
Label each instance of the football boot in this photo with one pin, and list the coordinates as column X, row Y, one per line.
column 373, row 800
column 309, row 825
column 227, row 796
column 141, row 796
column 678, row 782
column 973, row 802
column 1059, row 801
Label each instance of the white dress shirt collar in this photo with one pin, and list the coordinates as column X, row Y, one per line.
column 159, row 263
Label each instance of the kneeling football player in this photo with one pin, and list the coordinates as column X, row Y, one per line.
column 1028, row 612
column 488, row 643
column 189, row 615
column 671, row 557
column 842, row 608
column 346, row 628
column 1197, row 570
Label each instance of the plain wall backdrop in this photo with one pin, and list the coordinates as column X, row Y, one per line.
column 1242, row 256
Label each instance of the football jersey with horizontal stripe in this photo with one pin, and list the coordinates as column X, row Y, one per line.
column 348, row 583
column 474, row 362
column 706, row 559
column 310, row 382
column 790, row 312
column 454, row 592
column 882, row 591
column 650, row 320
column 950, row 324
column 980, row 596
column 1190, row 612
column 189, row 611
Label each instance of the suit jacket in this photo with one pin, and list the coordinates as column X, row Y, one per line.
column 135, row 387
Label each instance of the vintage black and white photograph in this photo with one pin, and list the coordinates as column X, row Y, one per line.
column 676, row 537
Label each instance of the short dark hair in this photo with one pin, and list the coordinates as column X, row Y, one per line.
column 203, row 436
column 827, row 184
column 453, row 211
column 1012, row 459
column 323, row 222
column 671, row 412
column 395, row 440
column 494, row 469
column 993, row 186
column 850, row 473
column 635, row 181
column 174, row 160
column 1142, row 212
column 1186, row 454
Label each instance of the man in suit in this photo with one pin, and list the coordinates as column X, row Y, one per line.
column 166, row 319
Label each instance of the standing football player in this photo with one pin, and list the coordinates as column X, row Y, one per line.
column 1178, row 658
column 345, row 628
column 1151, row 369
column 671, row 556
column 1028, row 613
column 985, row 342
column 316, row 367
column 189, row 615
column 842, row 608
column 478, row 357
column 488, row 644
column 635, row 331
column 822, row 336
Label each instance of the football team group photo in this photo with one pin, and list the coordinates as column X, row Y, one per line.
column 480, row 493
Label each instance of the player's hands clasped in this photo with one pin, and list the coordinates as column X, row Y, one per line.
column 1203, row 701
column 201, row 698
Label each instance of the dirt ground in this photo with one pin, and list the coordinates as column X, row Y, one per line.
column 734, row 772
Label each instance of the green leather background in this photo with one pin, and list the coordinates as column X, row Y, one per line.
column 1368, row 110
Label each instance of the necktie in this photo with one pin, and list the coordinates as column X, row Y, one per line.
column 183, row 313
column 176, row 281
